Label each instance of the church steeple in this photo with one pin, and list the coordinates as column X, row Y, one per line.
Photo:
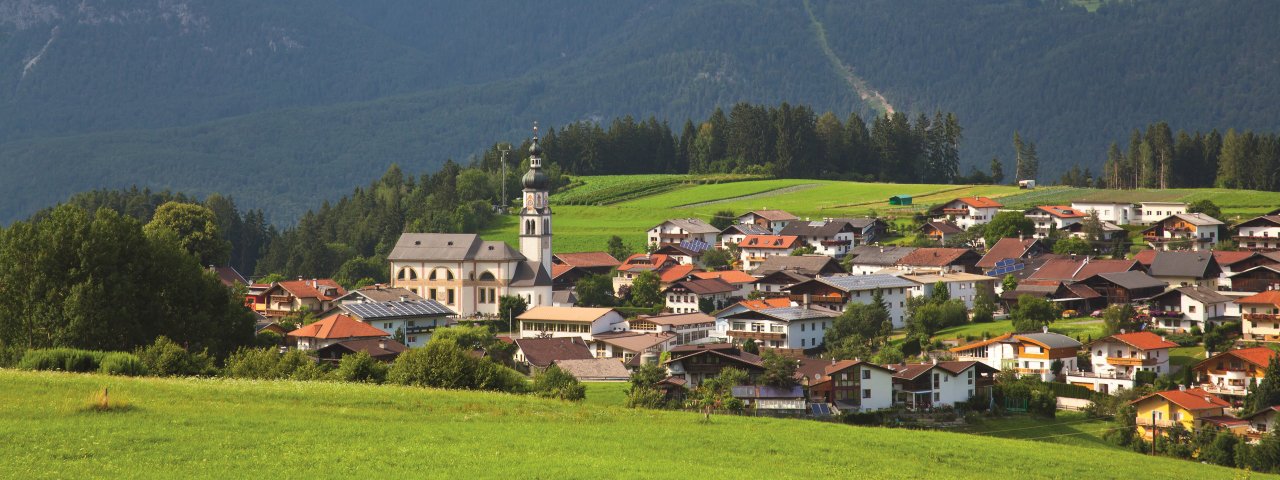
column 535, row 216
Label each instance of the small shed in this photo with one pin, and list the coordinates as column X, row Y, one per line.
column 1027, row 184
column 900, row 200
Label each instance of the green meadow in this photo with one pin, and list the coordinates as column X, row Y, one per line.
column 218, row 428
column 634, row 203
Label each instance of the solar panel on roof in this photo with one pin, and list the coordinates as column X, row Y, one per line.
column 820, row 409
column 694, row 245
column 398, row 309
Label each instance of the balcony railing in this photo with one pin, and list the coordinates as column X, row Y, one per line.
column 1132, row 361
column 744, row 334
column 756, row 258
column 1105, row 376
column 1224, row 389
column 834, row 243
column 1033, row 371
column 818, row 298
column 1147, row 422
column 1261, row 317
column 1165, row 313
column 955, row 211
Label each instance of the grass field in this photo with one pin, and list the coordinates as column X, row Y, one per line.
column 1068, row 428
column 607, row 394
column 1083, row 327
column 636, row 203
column 193, row 428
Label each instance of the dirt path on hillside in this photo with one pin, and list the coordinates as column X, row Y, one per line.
column 766, row 193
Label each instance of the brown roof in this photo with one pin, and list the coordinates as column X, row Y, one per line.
column 1005, row 249
column 945, row 228
column 675, row 273
column 1145, row 257
column 378, row 348
column 913, row 370
column 559, row 269
column 645, row 261
column 1080, row 268
column 382, row 293
column 229, row 276
column 933, row 257
column 675, row 319
column 724, row 350
column 541, row 352
column 634, row 341
column 1269, row 297
column 313, row 288
column 587, row 259
column 1259, row 356
column 1190, row 399
column 338, row 326
column 1225, row 258
column 1061, row 211
column 705, row 286
column 594, row 369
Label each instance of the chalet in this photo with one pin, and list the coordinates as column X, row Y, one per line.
column 1233, row 262
column 377, row 293
column 1259, row 233
column 1121, row 213
column 1257, row 279
column 1183, row 308
column 866, row 230
column 1125, row 287
column 1026, row 353
column 680, row 230
column 687, row 253
column 742, row 281
column 722, row 325
column 688, row 296
column 384, row 350
column 582, row 322
column 941, row 260
column 595, row 369
column 1231, row 372
column 639, row 263
column 1184, row 269
column 940, row 231
column 1108, row 231
column 775, row 284
column 1262, row 422
column 687, row 327
column 871, row 259
column 1152, row 212
column 412, row 320
column 229, row 276
column 1193, row 231
column 830, row 237
column 1188, row 408
column 694, row 363
column 1077, row 268
column 338, row 328
column 733, row 234
column 793, row 328
column 1261, row 316
column 806, row 265
column 774, row 220
column 282, row 298
column 468, row 274
column 540, row 353
column 568, row 268
column 1010, row 248
column 766, row 400
column 1117, row 359
column 937, row 384
column 851, row 385
column 1053, row 217
column 632, row 347
column 962, row 286
column 968, row 211
column 756, row 248
column 838, row 291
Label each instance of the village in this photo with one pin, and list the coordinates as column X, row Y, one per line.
column 790, row 281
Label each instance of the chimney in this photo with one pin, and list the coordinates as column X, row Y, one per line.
column 833, row 361
column 382, row 345
column 404, row 298
column 806, row 300
column 1122, row 331
column 1044, row 329
column 934, row 359
column 1182, row 388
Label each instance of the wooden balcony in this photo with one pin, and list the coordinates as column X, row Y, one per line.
column 1147, row 422
column 834, row 243
column 955, row 211
column 744, row 334
column 1261, row 317
column 756, row 258
column 818, row 298
column 1239, row 390
column 1033, row 371
column 1132, row 361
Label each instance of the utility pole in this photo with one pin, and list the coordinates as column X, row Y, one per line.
column 1154, row 432
column 504, row 148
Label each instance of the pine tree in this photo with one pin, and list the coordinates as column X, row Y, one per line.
column 997, row 171
column 1019, row 168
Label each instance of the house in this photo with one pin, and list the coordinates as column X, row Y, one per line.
column 776, row 283
column 679, row 230
column 940, row 231
column 639, row 263
column 948, row 260
column 1259, row 233
column 1183, row 308
column 582, row 322
column 1053, row 217
column 568, row 268
column 594, row 369
column 872, row 258
column 228, row 276
column 771, row 401
column 733, row 234
column 919, row 386
column 851, row 385
column 1110, row 231
column 1027, row 184
column 1231, row 372
column 564, row 298
column 1117, row 359
column 830, row 237
column 384, row 350
column 282, row 298
column 1261, row 316
column 1233, row 262
column 1188, row 408
column 793, row 328
column 1257, row 279
column 805, row 265
column 332, row 330
column 1010, row 249
column 742, row 281
column 377, row 293
column 866, row 230
column 968, row 211
column 632, row 347
column 1152, row 212
column 1261, row 423
column 1125, row 287
column 1118, row 213
column 757, row 248
column 774, row 220
column 1185, row 268
column 687, row 253
column 687, row 327
column 1031, row 353
column 412, row 320
column 688, row 296
column 1193, row 231
column 540, row 353
column 695, row 363
column 838, row 291
column 900, row 200
column 722, row 324
column 965, row 287
column 1077, row 268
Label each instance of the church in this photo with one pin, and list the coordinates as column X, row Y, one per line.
column 468, row 274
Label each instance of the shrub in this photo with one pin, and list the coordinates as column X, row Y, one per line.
column 268, row 338
column 862, row 418
column 254, row 363
column 166, row 358
column 63, row 359
column 442, row 364
column 122, row 363
column 1145, row 377
column 298, row 365
column 556, row 383
column 10, row 355
column 360, row 367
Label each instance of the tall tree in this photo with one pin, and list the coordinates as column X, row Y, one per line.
column 196, row 229
column 997, row 171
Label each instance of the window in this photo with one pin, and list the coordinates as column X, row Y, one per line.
column 866, row 393
column 1191, row 309
column 431, row 293
column 937, row 397
column 386, row 326
column 866, row 374
column 450, row 296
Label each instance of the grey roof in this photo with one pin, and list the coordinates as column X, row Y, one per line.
column 788, row 314
column 747, row 229
column 820, row 228
column 564, row 297
column 381, row 294
column 1052, row 340
column 1198, row 219
column 850, row 283
column 692, row 225
column 793, row 277
column 450, row 246
column 530, row 274
column 1133, row 279
column 414, row 308
column 873, row 255
column 945, row 227
column 804, row 264
column 860, row 222
column 1182, row 264
column 1202, row 295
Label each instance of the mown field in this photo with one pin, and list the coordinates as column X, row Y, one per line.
column 596, row 208
column 1068, row 428
column 194, row 428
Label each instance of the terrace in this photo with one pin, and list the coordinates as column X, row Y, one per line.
column 745, row 334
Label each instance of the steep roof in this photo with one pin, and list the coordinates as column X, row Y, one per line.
column 1269, row 297
column 1184, row 264
column 1259, row 356
column 1190, row 399
column 780, row 242
column 934, row 257
column 450, row 246
column 1141, row 340
column 379, row 348
column 594, row 369
column 229, row 276
column 1145, row 257
column 771, row 215
column 530, row 274
column 338, row 326
column 731, row 276
column 314, row 288
column 705, row 286
column 1006, row 248
column 808, row 265
column 876, row 255
column 945, row 228
column 1197, row 293
column 911, row 371
column 542, row 352
column 691, row 225
column 565, row 314
column 675, row 272
column 587, row 259
column 643, row 261
column 558, row 269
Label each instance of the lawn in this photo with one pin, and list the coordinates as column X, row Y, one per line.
column 1082, row 327
column 607, row 394
column 1183, row 357
column 1068, row 428
column 212, row 428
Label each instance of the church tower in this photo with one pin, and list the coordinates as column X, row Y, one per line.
column 535, row 216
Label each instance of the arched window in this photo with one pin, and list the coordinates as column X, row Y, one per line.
column 407, row 273
column 487, row 276
column 448, row 274
column 436, row 275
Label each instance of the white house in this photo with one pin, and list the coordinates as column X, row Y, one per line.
column 939, row 384
column 786, row 327
column 871, row 259
column 1119, row 213
column 1182, row 308
column 1261, row 314
column 582, row 322
column 1259, row 233
column 836, row 292
column 849, row 385
column 416, row 320
column 1117, row 359
column 962, row 286
column 1026, row 353
column 687, row 327
column 679, row 230
column 1053, row 217
column 687, row 296
column 334, row 329
column 734, row 234
column 966, row 212
column 830, row 237
column 757, row 248
column 774, row 220
column 1151, row 212
column 632, row 347
column 1197, row 230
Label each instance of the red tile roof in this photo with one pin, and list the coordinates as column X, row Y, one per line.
column 675, row 273
column 310, row 288
column 766, row 303
column 932, row 257
column 772, row 215
column 560, row 269
column 1190, row 399
column 1061, row 211
column 644, row 261
column 339, row 326
column 588, row 259
column 979, row 202
column 1077, row 269
column 1225, row 258
column 1145, row 257
column 1269, row 297
column 1142, row 340
column 1005, row 249
column 783, row 242
column 731, row 276
column 1260, row 356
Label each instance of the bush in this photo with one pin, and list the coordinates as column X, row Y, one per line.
column 298, row 365
column 253, row 363
column 166, row 358
column 442, row 364
column 556, row 383
column 122, row 363
column 61, row 359
column 1145, row 377
column 360, row 367
column 862, row 418
column 10, row 355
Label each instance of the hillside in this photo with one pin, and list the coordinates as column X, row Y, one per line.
column 284, row 104
column 588, row 227
column 216, row 428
